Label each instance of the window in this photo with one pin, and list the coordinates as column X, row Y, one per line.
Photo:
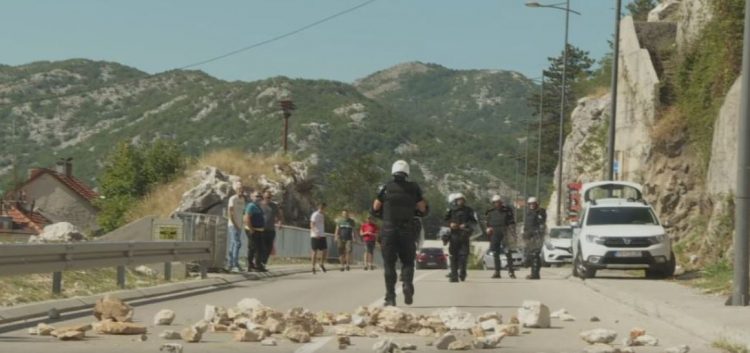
column 561, row 233
column 621, row 215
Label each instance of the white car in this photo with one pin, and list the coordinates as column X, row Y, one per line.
column 619, row 230
column 488, row 262
column 557, row 246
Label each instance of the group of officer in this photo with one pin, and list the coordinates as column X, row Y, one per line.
column 399, row 201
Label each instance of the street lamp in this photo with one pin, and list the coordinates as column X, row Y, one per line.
column 562, row 96
column 287, row 106
column 613, row 112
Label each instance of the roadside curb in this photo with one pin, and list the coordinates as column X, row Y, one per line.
column 41, row 309
column 707, row 327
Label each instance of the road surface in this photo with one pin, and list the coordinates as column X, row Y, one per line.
column 343, row 291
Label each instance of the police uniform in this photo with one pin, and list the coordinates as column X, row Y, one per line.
column 398, row 235
column 533, row 232
column 458, row 239
column 499, row 220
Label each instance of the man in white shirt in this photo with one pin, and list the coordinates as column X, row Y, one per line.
column 318, row 241
column 235, row 232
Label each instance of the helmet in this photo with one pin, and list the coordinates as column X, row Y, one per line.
column 532, row 200
column 455, row 196
column 496, row 198
column 400, row 166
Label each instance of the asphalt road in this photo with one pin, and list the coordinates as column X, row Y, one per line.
column 336, row 291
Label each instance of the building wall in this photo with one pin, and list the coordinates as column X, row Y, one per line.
column 60, row 204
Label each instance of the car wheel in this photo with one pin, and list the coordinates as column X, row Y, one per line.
column 544, row 261
column 581, row 270
column 663, row 272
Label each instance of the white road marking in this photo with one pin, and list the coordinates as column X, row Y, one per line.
column 318, row 343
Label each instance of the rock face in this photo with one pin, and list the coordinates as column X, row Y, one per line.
column 693, row 15
column 722, row 169
column 664, row 11
column 534, row 314
column 164, row 317
column 61, row 232
column 113, row 308
column 599, row 335
column 215, row 188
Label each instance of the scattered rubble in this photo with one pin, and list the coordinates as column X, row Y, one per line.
column 645, row 340
column 164, row 317
column 385, row 346
column 444, row 341
column 112, row 308
column 248, row 335
column 534, row 314
column 43, row 329
column 109, row 327
column 460, row 345
column 556, row 314
column 455, row 319
column 599, row 335
column 508, row 330
column 171, row 348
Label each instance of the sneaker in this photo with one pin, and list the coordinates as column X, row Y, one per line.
column 408, row 295
column 453, row 280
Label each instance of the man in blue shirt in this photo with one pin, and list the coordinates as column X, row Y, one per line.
column 254, row 227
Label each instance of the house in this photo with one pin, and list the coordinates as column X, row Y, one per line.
column 18, row 223
column 60, row 197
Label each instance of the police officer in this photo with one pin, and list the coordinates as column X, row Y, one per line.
column 460, row 219
column 500, row 222
column 397, row 203
column 533, row 233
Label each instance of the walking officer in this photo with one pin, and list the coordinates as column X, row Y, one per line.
column 500, row 222
column 460, row 220
column 533, row 234
column 397, row 202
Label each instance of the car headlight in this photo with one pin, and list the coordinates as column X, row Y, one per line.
column 548, row 245
column 657, row 239
column 594, row 239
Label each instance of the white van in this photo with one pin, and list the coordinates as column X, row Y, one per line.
column 617, row 229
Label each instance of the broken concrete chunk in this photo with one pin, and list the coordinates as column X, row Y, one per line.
column 191, row 334
column 112, row 308
column 534, row 314
column 170, row 335
column 598, row 335
column 109, row 327
column 164, row 317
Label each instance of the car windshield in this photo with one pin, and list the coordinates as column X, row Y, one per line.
column 620, row 215
column 432, row 251
column 561, row 233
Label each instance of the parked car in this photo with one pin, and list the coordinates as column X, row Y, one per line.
column 619, row 230
column 557, row 246
column 432, row 258
column 488, row 262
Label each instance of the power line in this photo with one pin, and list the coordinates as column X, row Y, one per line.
column 202, row 62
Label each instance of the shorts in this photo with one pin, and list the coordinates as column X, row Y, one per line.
column 344, row 246
column 370, row 246
column 319, row 243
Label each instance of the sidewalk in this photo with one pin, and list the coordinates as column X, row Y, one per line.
column 704, row 316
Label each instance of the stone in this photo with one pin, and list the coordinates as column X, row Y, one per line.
column 216, row 314
column 109, row 327
column 61, row 232
column 567, row 317
column 33, row 331
column 43, row 329
column 407, row 347
column 236, row 313
column 534, row 314
column 444, row 341
column 636, row 332
column 343, row 319
column 201, row 326
column 170, row 335
column 556, row 314
column 62, row 330
column 508, row 330
column 248, row 304
column 219, row 328
column 325, row 318
column 112, row 308
column 191, row 334
column 598, row 335
column 141, row 338
column 477, row 331
column 270, row 341
column 425, row 332
column 514, row 320
column 362, row 311
column 489, row 325
column 601, row 348
column 433, row 322
column 171, row 348
column 247, row 336
column 394, row 319
column 492, row 315
column 385, row 346
column 360, row 321
column 345, row 340
column 492, row 341
column 678, row 349
column 71, row 335
column 145, row 271
column 349, row 330
column 594, row 319
column 274, row 325
column 164, row 317
column 460, row 345
column 455, row 319
column 53, row 314
column 297, row 334
column 664, row 10
column 215, row 187
column 645, row 340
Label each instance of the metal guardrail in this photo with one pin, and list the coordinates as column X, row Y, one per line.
column 295, row 242
column 16, row 259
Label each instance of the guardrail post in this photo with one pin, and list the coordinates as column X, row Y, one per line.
column 56, row 283
column 167, row 271
column 121, row 277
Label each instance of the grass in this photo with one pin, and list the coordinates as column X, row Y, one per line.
column 716, row 278
column 729, row 347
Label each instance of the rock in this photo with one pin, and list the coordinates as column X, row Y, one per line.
column 112, row 308
column 109, row 327
column 594, row 319
column 53, row 314
column 385, row 346
column 492, row 341
column 71, row 335
column 626, row 350
column 297, row 334
column 360, row 321
column 219, row 328
column 425, row 332
column 508, row 330
column 248, row 304
column 514, row 320
column 601, row 348
column 534, row 314
column 362, row 311
column 141, row 338
column 489, row 325
column 171, row 348
column 33, row 331
column 43, row 329
column 567, row 317
column 477, row 331
column 201, row 326
column 645, row 340
column 349, row 330
column 325, row 318
column 679, row 270
column 433, row 322
column 62, row 330
column 343, row 319
column 678, row 349
column 274, row 325
column 492, row 315
column 599, row 335
column 215, row 187
column 270, row 341
column 216, row 314
column 145, row 271
column 455, row 319
column 170, row 335
column 344, row 340
column 247, row 336
column 460, row 345
column 61, row 232
column 393, row 319
column 164, row 317
column 444, row 341
column 191, row 334
column 636, row 332
column 664, row 10
column 408, row 347
column 556, row 314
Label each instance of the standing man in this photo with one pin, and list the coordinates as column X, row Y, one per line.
column 235, row 229
column 397, row 202
column 272, row 217
column 318, row 241
column 500, row 221
column 460, row 219
column 254, row 226
column 369, row 233
column 533, row 234
column 344, row 235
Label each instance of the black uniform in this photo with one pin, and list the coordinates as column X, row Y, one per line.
column 499, row 220
column 533, row 233
column 458, row 239
column 399, row 233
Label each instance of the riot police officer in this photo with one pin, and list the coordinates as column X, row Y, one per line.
column 397, row 202
column 460, row 219
column 533, row 233
column 500, row 222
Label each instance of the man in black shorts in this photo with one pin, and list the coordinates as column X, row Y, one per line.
column 318, row 241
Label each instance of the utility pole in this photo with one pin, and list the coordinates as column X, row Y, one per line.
column 613, row 112
column 539, row 139
column 287, row 106
column 562, row 118
column 742, row 202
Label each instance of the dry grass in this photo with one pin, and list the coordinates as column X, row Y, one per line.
column 165, row 198
column 671, row 122
column 729, row 347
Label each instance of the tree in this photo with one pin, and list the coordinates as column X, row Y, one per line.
column 639, row 9
column 351, row 185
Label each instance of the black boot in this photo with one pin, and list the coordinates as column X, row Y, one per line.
column 389, row 301
column 407, row 274
column 496, row 274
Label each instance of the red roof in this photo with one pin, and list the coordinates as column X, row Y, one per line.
column 70, row 181
column 28, row 220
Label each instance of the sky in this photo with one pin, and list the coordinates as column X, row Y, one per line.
column 159, row 35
